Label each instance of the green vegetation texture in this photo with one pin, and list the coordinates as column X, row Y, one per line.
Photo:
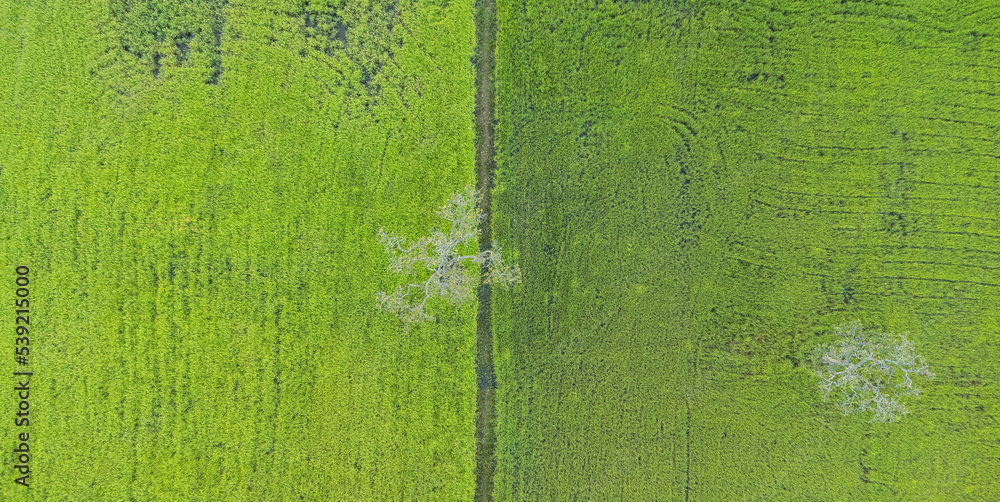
column 697, row 192
column 196, row 187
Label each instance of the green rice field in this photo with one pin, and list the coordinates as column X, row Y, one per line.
column 196, row 189
column 696, row 193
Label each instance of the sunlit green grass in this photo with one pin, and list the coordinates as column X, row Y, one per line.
column 196, row 192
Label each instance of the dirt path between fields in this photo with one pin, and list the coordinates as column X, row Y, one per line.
column 486, row 36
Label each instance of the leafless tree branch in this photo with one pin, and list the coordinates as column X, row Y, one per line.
column 862, row 368
column 441, row 254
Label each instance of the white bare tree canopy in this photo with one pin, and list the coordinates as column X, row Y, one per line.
column 871, row 372
column 445, row 258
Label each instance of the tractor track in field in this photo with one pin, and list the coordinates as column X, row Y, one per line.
column 485, row 13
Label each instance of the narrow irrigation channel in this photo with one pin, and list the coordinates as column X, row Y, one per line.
column 485, row 13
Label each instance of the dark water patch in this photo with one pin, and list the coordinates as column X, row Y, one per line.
column 324, row 29
column 161, row 35
column 486, row 376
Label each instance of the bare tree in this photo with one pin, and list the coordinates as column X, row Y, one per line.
column 446, row 257
column 870, row 372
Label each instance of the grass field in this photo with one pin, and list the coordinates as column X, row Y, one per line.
column 196, row 188
column 697, row 192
